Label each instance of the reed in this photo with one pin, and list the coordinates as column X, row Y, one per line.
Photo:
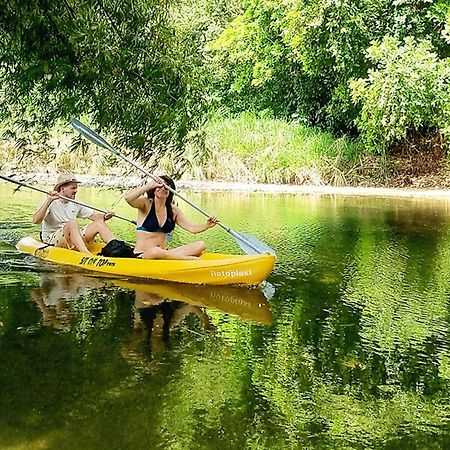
column 267, row 150
column 243, row 148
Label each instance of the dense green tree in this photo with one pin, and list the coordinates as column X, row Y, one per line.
column 119, row 64
column 406, row 96
column 147, row 71
column 297, row 57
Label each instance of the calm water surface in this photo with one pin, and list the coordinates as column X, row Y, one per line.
column 347, row 347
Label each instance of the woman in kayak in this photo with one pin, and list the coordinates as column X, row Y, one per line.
column 157, row 217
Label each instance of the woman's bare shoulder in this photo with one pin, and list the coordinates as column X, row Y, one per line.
column 176, row 210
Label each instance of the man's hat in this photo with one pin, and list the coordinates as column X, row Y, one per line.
column 65, row 178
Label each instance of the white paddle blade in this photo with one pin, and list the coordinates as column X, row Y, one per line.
column 250, row 245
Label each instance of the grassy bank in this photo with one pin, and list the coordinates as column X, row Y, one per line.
column 63, row 151
column 246, row 148
column 267, row 150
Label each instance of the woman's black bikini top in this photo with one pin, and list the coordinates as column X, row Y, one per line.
column 151, row 224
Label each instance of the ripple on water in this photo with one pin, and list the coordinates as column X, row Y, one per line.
column 14, row 261
column 400, row 312
column 12, row 232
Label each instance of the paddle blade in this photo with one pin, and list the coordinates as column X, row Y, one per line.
column 250, row 245
column 91, row 135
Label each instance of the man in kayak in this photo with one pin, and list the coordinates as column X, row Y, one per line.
column 58, row 217
column 157, row 218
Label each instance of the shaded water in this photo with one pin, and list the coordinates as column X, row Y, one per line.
column 350, row 351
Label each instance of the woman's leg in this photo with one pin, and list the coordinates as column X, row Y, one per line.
column 193, row 249
column 189, row 251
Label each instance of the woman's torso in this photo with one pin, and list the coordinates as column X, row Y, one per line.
column 160, row 220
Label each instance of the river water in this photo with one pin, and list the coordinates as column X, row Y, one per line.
column 347, row 346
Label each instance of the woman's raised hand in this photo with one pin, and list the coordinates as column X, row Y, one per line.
column 212, row 221
column 155, row 183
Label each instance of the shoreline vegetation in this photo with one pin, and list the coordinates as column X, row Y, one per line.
column 249, row 153
column 260, row 92
column 123, row 182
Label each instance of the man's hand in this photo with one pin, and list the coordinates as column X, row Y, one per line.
column 52, row 195
column 108, row 215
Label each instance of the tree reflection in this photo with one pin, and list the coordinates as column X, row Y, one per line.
column 105, row 347
column 362, row 359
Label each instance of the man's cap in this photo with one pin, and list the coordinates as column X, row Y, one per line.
column 65, row 178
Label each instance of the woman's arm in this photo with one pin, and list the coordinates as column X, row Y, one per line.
column 182, row 221
column 134, row 197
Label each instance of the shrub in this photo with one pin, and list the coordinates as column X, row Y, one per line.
column 408, row 91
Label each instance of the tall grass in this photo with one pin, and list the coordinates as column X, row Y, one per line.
column 61, row 152
column 244, row 148
column 267, row 150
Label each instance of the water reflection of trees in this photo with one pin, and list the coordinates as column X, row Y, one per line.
column 357, row 358
column 360, row 356
column 95, row 362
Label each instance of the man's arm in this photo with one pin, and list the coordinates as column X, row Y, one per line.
column 98, row 216
column 39, row 215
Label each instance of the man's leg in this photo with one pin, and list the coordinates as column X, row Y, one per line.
column 74, row 238
column 98, row 227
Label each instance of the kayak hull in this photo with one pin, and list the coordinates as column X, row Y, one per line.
column 210, row 268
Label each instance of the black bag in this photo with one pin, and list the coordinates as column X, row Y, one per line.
column 117, row 249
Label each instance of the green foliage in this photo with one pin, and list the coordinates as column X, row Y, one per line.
column 251, row 66
column 408, row 90
column 297, row 58
column 119, row 63
column 147, row 71
column 439, row 15
column 252, row 147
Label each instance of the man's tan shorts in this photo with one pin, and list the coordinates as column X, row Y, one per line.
column 58, row 239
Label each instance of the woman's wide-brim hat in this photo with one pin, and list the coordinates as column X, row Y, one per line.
column 65, row 178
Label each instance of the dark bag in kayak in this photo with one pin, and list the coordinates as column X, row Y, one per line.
column 117, row 249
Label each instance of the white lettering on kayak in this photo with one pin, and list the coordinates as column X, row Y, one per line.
column 231, row 273
column 97, row 262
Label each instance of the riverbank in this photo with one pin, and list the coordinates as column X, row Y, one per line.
column 121, row 182
column 251, row 153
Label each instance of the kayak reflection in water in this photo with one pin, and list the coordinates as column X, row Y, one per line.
column 157, row 316
column 157, row 217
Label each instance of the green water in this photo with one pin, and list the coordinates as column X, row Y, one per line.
column 350, row 351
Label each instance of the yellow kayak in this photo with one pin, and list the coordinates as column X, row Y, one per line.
column 210, row 268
